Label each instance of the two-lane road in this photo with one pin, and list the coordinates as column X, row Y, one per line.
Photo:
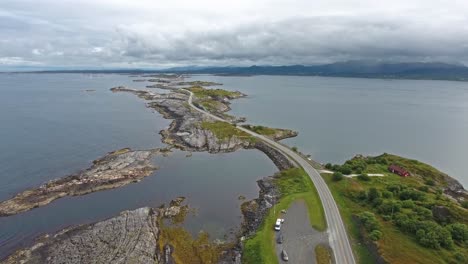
column 338, row 238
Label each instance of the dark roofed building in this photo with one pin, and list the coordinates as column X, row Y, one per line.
column 398, row 170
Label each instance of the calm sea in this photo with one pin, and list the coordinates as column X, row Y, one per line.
column 338, row 118
column 51, row 127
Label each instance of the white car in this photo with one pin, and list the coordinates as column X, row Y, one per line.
column 278, row 223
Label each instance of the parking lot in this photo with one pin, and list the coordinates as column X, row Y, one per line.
column 299, row 238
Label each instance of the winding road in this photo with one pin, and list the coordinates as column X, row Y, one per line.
column 338, row 238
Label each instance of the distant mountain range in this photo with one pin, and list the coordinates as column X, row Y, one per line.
column 440, row 71
column 362, row 69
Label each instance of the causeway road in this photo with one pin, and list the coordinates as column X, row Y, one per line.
column 338, row 239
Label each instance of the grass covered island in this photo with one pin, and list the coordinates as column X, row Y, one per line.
column 398, row 219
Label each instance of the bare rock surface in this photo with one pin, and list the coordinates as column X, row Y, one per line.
column 116, row 169
column 131, row 237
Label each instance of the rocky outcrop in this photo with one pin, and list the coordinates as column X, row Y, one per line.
column 185, row 131
column 254, row 211
column 131, row 237
column 454, row 189
column 116, row 169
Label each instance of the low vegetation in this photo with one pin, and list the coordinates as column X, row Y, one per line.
column 323, row 255
column 199, row 83
column 223, row 130
column 203, row 93
column 188, row 249
column 262, row 130
column 294, row 185
column 407, row 218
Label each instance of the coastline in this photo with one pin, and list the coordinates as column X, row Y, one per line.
column 170, row 106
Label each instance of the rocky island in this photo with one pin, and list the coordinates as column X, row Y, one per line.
column 193, row 131
column 116, row 169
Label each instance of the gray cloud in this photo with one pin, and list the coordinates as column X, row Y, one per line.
column 148, row 34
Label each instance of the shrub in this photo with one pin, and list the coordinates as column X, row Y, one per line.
column 424, row 188
column 412, row 194
column 387, row 194
column 337, row 176
column 328, row 166
column 294, row 149
column 432, row 235
column 369, row 221
column 389, row 207
column 430, row 182
column 459, row 232
column 345, row 169
column 364, row 177
column 373, row 194
column 464, row 204
column 387, row 217
column 395, row 189
column 375, row 235
column 362, row 195
column 407, row 204
column 460, row 257
column 423, row 213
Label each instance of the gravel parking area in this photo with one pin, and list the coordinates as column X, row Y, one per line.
column 299, row 238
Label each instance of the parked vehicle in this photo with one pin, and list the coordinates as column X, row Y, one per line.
column 284, row 255
column 280, row 239
column 278, row 223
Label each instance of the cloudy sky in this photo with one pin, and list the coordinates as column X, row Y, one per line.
column 158, row 34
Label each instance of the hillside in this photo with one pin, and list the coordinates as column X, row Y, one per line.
column 395, row 219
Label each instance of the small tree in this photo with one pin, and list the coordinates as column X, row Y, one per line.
column 373, row 194
column 337, row 176
column 364, row 177
column 294, row 149
column 345, row 169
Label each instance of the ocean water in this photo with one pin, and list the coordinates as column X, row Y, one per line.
column 51, row 127
column 338, row 118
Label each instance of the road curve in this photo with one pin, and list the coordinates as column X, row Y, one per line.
column 338, row 238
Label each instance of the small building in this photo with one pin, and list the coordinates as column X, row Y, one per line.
column 398, row 170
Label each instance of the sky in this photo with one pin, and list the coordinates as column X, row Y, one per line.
column 161, row 34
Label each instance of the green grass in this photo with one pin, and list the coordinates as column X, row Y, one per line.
column 346, row 210
column 202, row 93
column 323, row 255
column 262, row 130
column 379, row 164
column 188, row 249
column 223, row 130
column 295, row 185
column 395, row 246
column 212, row 105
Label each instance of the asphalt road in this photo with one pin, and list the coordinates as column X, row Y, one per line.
column 299, row 238
column 338, row 239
